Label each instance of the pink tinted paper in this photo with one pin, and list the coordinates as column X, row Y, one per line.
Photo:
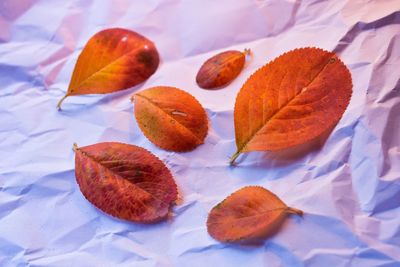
column 348, row 184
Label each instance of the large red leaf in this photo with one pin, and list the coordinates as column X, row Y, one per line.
column 170, row 118
column 248, row 214
column 291, row 100
column 113, row 60
column 125, row 181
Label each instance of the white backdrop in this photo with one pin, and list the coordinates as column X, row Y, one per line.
column 347, row 184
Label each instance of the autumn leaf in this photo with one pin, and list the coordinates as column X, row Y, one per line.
column 113, row 60
column 291, row 100
column 221, row 69
column 125, row 181
column 249, row 214
column 170, row 118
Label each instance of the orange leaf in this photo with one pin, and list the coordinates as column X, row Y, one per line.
column 113, row 60
column 125, row 181
column 170, row 118
column 221, row 69
column 291, row 100
column 248, row 214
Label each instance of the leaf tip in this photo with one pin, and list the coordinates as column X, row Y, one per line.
column 179, row 200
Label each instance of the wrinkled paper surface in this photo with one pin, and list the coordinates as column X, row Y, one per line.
column 347, row 183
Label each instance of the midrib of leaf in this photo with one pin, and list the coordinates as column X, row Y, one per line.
column 119, row 176
column 240, row 149
column 169, row 116
column 261, row 213
column 105, row 67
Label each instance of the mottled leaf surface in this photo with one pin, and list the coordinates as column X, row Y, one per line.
column 291, row 100
column 170, row 118
column 248, row 214
column 125, row 181
column 221, row 69
column 113, row 60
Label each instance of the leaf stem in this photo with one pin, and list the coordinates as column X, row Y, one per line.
column 234, row 157
column 294, row 211
column 75, row 147
column 247, row 52
column 60, row 102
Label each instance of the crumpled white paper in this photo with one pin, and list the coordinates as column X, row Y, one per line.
column 348, row 185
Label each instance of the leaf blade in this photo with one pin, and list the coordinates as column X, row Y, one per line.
column 120, row 191
column 273, row 91
column 250, row 213
column 170, row 118
column 221, row 69
column 112, row 60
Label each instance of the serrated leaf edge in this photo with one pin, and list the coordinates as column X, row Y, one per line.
column 76, row 149
column 241, row 149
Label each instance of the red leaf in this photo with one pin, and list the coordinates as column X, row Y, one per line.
column 291, row 100
column 113, row 60
column 125, row 181
column 221, row 69
column 249, row 214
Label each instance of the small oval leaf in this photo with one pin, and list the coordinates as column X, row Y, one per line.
column 170, row 118
column 248, row 214
column 125, row 181
column 113, row 60
column 221, row 69
column 291, row 100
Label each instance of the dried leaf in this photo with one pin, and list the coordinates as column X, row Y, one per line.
column 113, row 60
column 221, row 69
column 248, row 214
column 170, row 118
column 291, row 100
column 125, row 181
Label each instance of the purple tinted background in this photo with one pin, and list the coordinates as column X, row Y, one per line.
column 348, row 185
